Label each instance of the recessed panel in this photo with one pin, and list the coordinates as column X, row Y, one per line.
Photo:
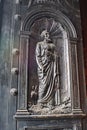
column 48, row 82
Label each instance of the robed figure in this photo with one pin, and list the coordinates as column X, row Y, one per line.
column 48, row 72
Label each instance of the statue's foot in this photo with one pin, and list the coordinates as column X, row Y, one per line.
column 51, row 107
column 40, row 105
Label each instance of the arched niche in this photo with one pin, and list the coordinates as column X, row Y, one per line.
column 37, row 13
column 60, row 39
column 61, row 32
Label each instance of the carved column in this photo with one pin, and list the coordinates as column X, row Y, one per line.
column 23, row 74
column 75, row 91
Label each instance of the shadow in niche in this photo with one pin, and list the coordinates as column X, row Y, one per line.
column 59, row 38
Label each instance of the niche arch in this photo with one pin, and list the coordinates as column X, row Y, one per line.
column 32, row 15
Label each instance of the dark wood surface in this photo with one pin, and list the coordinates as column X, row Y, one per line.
column 83, row 8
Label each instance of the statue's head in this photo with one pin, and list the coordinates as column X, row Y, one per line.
column 45, row 34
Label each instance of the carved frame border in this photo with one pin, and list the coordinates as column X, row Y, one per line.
column 27, row 21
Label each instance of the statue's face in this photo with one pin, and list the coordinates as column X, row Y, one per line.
column 46, row 36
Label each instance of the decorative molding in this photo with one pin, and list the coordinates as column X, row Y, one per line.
column 34, row 2
column 24, row 115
